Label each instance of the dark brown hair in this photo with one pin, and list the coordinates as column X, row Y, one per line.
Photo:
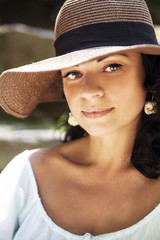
column 146, row 152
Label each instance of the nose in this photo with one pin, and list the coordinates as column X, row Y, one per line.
column 91, row 87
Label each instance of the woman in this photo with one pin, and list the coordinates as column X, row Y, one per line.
column 104, row 184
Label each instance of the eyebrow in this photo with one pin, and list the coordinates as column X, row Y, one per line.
column 102, row 58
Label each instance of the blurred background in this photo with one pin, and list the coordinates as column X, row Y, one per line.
column 26, row 36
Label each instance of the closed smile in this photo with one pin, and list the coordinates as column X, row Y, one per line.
column 97, row 113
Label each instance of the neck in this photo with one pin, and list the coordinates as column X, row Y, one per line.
column 112, row 151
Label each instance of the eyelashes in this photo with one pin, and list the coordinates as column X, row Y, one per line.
column 111, row 68
column 72, row 75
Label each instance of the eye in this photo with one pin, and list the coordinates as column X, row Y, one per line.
column 113, row 67
column 72, row 75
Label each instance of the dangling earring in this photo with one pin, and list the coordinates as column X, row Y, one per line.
column 72, row 121
column 150, row 107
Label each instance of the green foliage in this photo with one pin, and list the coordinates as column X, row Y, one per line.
column 62, row 122
column 17, row 49
column 46, row 115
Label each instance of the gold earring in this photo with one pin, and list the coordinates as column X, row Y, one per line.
column 150, row 107
column 72, row 121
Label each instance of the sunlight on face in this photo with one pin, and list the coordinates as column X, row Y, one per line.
column 106, row 94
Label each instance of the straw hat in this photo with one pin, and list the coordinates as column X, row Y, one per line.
column 84, row 30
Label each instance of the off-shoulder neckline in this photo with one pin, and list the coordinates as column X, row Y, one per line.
column 106, row 236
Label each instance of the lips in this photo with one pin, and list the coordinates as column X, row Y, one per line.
column 97, row 113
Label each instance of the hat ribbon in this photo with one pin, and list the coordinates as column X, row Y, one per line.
column 105, row 34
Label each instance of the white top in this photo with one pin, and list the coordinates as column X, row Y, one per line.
column 22, row 216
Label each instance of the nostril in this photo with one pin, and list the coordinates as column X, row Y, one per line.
column 90, row 92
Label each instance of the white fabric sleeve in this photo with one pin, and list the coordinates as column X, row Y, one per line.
column 9, row 202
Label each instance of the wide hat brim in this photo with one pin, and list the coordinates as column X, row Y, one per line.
column 23, row 88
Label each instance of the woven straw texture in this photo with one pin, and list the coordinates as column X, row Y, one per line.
column 77, row 13
column 30, row 89
column 21, row 89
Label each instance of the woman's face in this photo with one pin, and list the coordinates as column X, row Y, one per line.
column 106, row 94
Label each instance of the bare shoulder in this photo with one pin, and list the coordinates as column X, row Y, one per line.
column 54, row 160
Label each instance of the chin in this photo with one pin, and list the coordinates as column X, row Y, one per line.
column 98, row 131
column 98, row 128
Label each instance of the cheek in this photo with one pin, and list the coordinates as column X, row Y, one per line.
column 71, row 94
column 130, row 95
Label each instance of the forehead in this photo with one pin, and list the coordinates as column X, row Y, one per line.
column 129, row 56
column 99, row 59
